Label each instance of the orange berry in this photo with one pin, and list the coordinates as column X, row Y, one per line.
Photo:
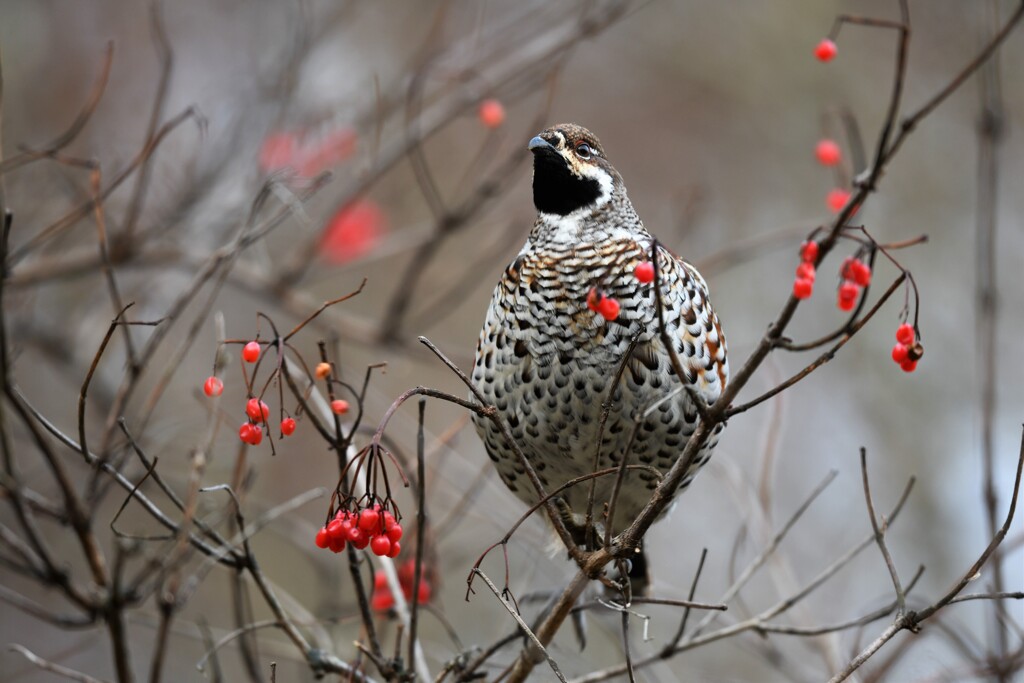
column 323, row 370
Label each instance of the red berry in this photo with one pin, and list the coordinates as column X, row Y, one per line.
column 644, row 272
column 905, row 334
column 908, row 365
column 805, row 271
column 380, row 581
column 257, row 410
column 836, row 199
column 369, row 519
column 899, row 353
column 213, row 386
column 336, row 529
column 382, row 600
column 825, row 50
column 848, row 292
column 355, row 534
column 277, row 151
column 362, row 540
column 288, row 426
column 861, row 272
column 828, row 152
column 395, row 533
column 380, row 545
column 424, row 593
column 491, row 113
column 353, row 232
column 594, row 299
column 608, row 308
column 245, row 432
column 336, row 544
column 809, row 251
column 339, row 406
column 389, row 520
column 256, row 437
column 396, row 548
column 322, row 538
column 251, row 351
column 844, row 270
column 323, row 370
column 802, row 288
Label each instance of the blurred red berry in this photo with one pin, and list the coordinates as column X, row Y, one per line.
column 644, row 272
column 353, row 231
column 608, row 308
column 825, row 50
column 803, row 288
column 491, row 113
column 908, row 365
column 899, row 353
column 288, row 426
column 848, row 292
column 809, row 251
column 828, row 152
column 256, row 436
column 213, row 386
column 805, row 271
column 861, row 272
column 424, row 592
column 382, row 599
column 396, row 548
column 321, row 538
column 251, row 352
column 905, row 334
column 836, row 199
column 339, row 406
column 278, row 151
column 380, row 545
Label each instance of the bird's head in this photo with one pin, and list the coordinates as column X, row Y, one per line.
column 570, row 171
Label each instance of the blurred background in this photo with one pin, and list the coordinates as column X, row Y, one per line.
column 709, row 110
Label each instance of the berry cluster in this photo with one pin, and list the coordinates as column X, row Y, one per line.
column 855, row 274
column 371, row 526
column 258, row 412
column 908, row 350
column 803, row 286
column 605, row 305
column 383, row 600
column 308, row 153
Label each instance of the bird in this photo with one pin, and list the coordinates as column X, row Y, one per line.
column 547, row 358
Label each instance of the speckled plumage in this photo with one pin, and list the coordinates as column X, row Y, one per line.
column 546, row 361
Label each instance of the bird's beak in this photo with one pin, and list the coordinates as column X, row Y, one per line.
column 537, row 144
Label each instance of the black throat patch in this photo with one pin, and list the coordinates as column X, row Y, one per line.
column 556, row 189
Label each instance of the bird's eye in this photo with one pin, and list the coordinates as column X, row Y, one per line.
column 583, row 151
